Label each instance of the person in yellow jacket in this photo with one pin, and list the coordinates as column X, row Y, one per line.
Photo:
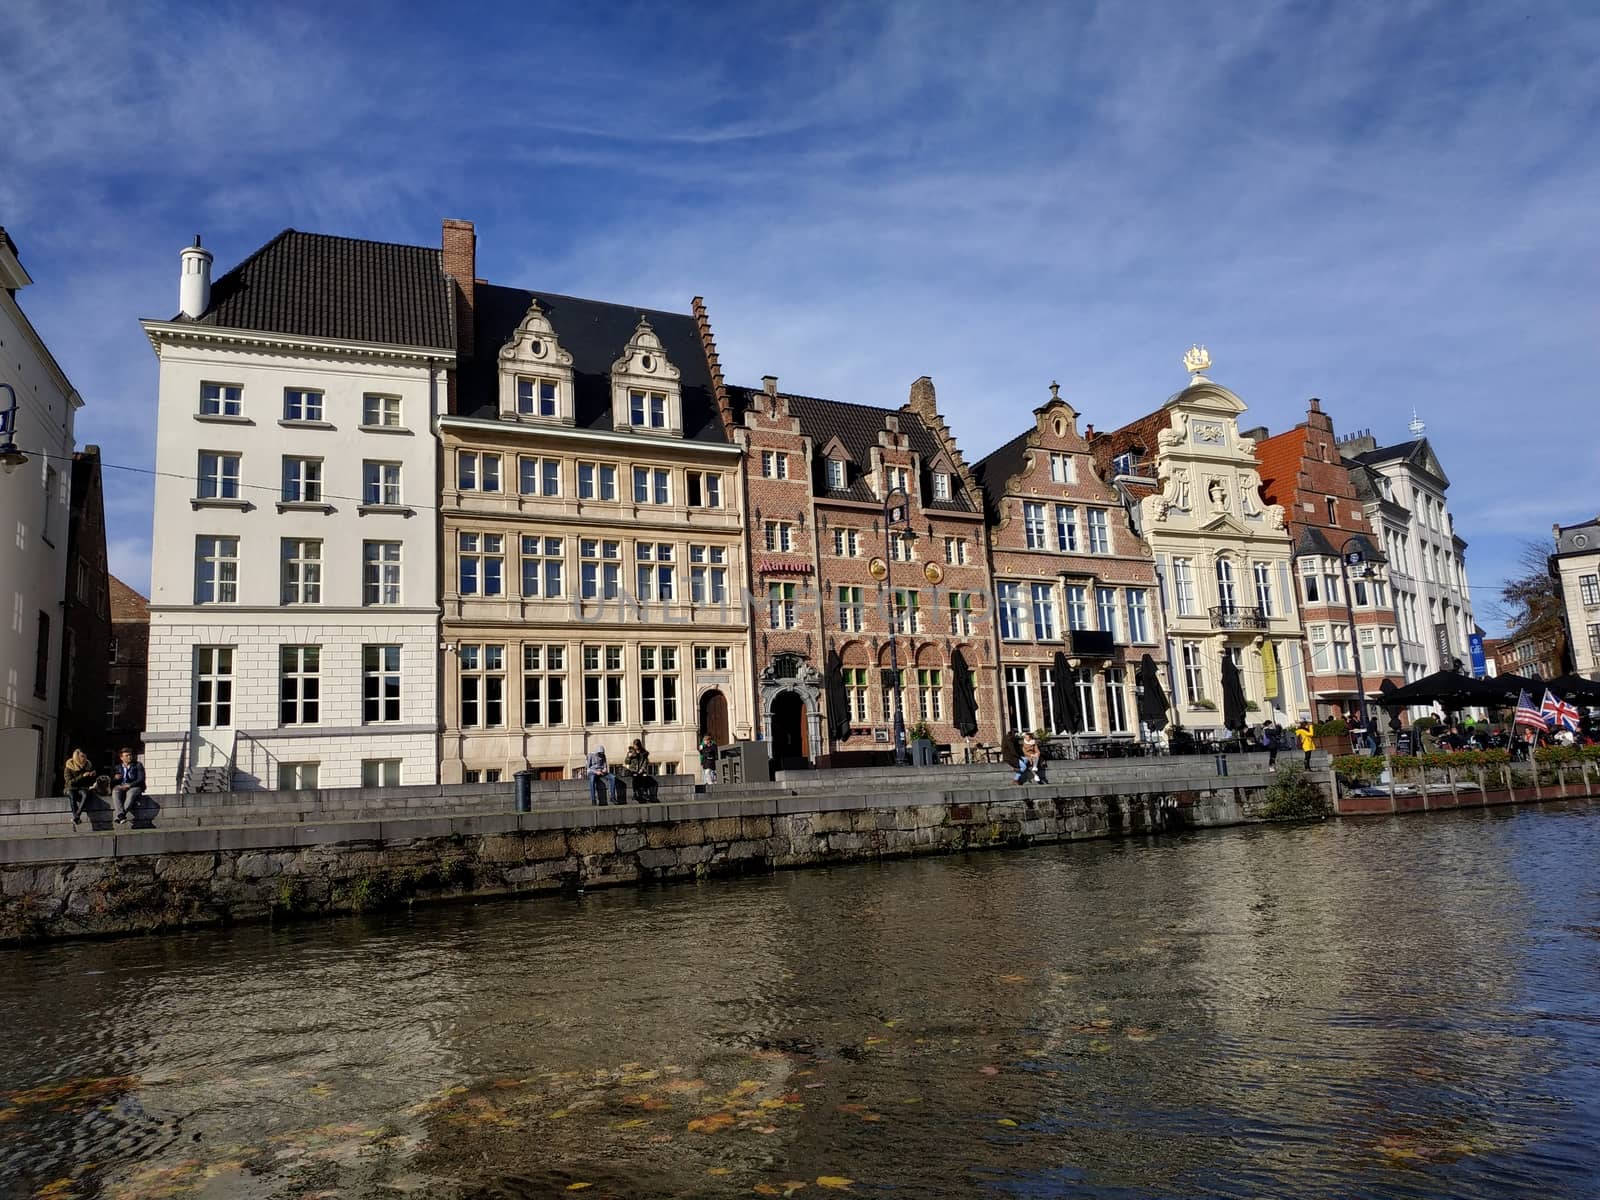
column 1308, row 740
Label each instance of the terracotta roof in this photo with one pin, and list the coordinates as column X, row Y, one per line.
column 594, row 332
column 317, row 285
column 1278, row 463
column 127, row 604
column 1136, row 437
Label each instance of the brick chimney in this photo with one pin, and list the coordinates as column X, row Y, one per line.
column 923, row 401
column 459, row 259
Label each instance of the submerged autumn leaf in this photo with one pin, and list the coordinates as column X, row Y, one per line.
column 838, row 1183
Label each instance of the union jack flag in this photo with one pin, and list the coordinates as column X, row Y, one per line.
column 1527, row 714
column 1558, row 712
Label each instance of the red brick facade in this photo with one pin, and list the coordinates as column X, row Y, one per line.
column 1302, row 470
column 1049, row 474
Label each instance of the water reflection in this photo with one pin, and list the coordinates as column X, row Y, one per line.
column 1387, row 1009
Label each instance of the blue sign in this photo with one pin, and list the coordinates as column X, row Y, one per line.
column 1480, row 666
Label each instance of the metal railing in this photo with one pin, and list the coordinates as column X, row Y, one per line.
column 1236, row 617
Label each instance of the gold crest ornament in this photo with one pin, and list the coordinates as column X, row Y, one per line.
column 933, row 572
column 1197, row 359
column 878, row 569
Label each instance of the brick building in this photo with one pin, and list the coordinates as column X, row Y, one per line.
column 126, row 656
column 1070, row 576
column 1303, row 471
column 828, row 578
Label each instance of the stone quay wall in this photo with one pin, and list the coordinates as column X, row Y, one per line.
column 158, row 879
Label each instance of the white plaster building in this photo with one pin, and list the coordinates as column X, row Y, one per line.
column 1575, row 566
column 1403, row 488
column 294, row 617
column 34, row 498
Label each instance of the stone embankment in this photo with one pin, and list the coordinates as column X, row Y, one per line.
column 213, row 860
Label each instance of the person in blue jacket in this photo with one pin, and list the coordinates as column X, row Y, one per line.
column 127, row 785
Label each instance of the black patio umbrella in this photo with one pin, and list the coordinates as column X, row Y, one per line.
column 1153, row 705
column 1575, row 689
column 1065, row 695
column 1385, row 690
column 1508, row 687
column 1450, row 691
column 964, row 703
column 1232, row 694
column 838, row 702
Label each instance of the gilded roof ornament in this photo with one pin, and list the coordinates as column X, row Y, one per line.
column 1197, row 359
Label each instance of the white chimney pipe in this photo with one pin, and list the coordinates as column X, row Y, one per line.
column 194, row 283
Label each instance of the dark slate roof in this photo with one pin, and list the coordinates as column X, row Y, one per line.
column 1568, row 538
column 595, row 334
column 1313, row 541
column 992, row 471
column 317, row 285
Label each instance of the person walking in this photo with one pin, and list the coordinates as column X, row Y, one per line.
column 1271, row 738
column 637, row 764
column 600, row 776
column 708, row 759
column 127, row 785
column 1307, row 739
column 78, row 773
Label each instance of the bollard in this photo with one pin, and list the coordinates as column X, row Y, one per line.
column 524, row 785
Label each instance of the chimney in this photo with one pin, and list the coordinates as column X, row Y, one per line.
column 194, row 280
column 1088, row 433
column 459, row 260
column 923, row 401
column 769, row 384
column 1256, row 435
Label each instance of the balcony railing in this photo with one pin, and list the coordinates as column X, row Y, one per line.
column 1239, row 618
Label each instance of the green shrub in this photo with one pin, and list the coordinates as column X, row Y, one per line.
column 1203, row 703
column 1294, row 796
column 921, row 732
column 1332, row 727
column 1358, row 768
column 1422, row 723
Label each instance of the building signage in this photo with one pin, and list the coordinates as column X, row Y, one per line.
column 1441, row 639
column 783, row 566
column 1480, row 665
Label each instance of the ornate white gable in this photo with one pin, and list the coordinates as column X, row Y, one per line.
column 645, row 393
column 535, row 373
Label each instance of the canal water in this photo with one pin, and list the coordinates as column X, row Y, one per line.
column 1406, row 1008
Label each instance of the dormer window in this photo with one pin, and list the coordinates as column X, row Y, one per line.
column 897, row 479
column 536, row 397
column 1061, row 469
column 647, row 410
column 835, row 475
column 941, row 485
column 1122, row 464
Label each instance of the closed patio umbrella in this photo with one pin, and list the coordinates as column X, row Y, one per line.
column 964, row 702
column 1153, row 705
column 838, row 702
column 1232, row 694
column 1385, row 690
column 1065, row 695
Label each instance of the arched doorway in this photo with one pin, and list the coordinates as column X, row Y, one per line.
column 789, row 732
column 714, row 716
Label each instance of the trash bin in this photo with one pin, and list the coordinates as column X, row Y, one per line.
column 524, row 781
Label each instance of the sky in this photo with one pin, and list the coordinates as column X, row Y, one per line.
column 1388, row 206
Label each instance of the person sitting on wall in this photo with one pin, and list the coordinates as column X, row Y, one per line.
column 78, row 773
column 637, row 764
column 600, row 775
column 1031, row 759
column 127, row 786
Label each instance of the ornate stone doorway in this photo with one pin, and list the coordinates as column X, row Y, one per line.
column 791, row 693
column 789, row 739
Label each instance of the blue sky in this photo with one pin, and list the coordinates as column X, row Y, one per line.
column 1384, row 205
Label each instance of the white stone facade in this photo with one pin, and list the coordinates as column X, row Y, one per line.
column 1576, row 567
column 295, row 508
column 34, row 498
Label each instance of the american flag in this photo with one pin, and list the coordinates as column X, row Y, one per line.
column 1527, row 714
column 1558, row 712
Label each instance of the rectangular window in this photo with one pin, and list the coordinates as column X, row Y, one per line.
column 1019, row 711
column 597, row 481
column 1013, row 613
column 1122, row 464
column 1105, row 603
column 1043, row 601
column 835, row 475
column 1099, row 532
column 1183, row 586
column 960, row 614
column 299, row 684
column 774, row 464
column 1594, row 639
column 111, row 652
column 1589, row 590
column 301, row 570
column 544, row 685
column 219, row 476
column 302, row 480
column 477, row 472
column 542, row 559
column 1318, row 635
column 647, row 410
column 1138, row 615
column 1369, row 650
column 1077, row 606
column 216, row 570
column 779, row 536
column 536, row 397
column 780, row 605
column 1083, row 680
column 221, row 399
column 708, row 574
column 602, row 685
column 1358, row 593
column 941, row 485
column 1311, row 584
column 380, row 412
column 380, row 483
column 1194, row 675
column 907, row 613
column 380, row 573
column 482, row 562
column 654, row 571
column 1033, row 524
column 380, row 684
column 41, row 658
column 599, row 569
column 380, row 772
column 652, row 485
column 1263, row 574
column 847, row 543
column 1116, row 700
column 1066, row 528
column 851, row 609
column 930, row 694
column 658, row 685
column 1391, row 652
column 855, row 693
column 898, row 479
column 483, row 685
column 901, row 547
column 1063, row 469
column 1341, row 648
column 213, row 687
column 538, row 476
column 1225, row 590
column 955, row 551
column 297, row 777
column 704, row 488
column 301, row 405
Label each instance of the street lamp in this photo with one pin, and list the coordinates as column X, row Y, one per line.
column 1355, row 558
column 10, row 457
column 895, row 516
